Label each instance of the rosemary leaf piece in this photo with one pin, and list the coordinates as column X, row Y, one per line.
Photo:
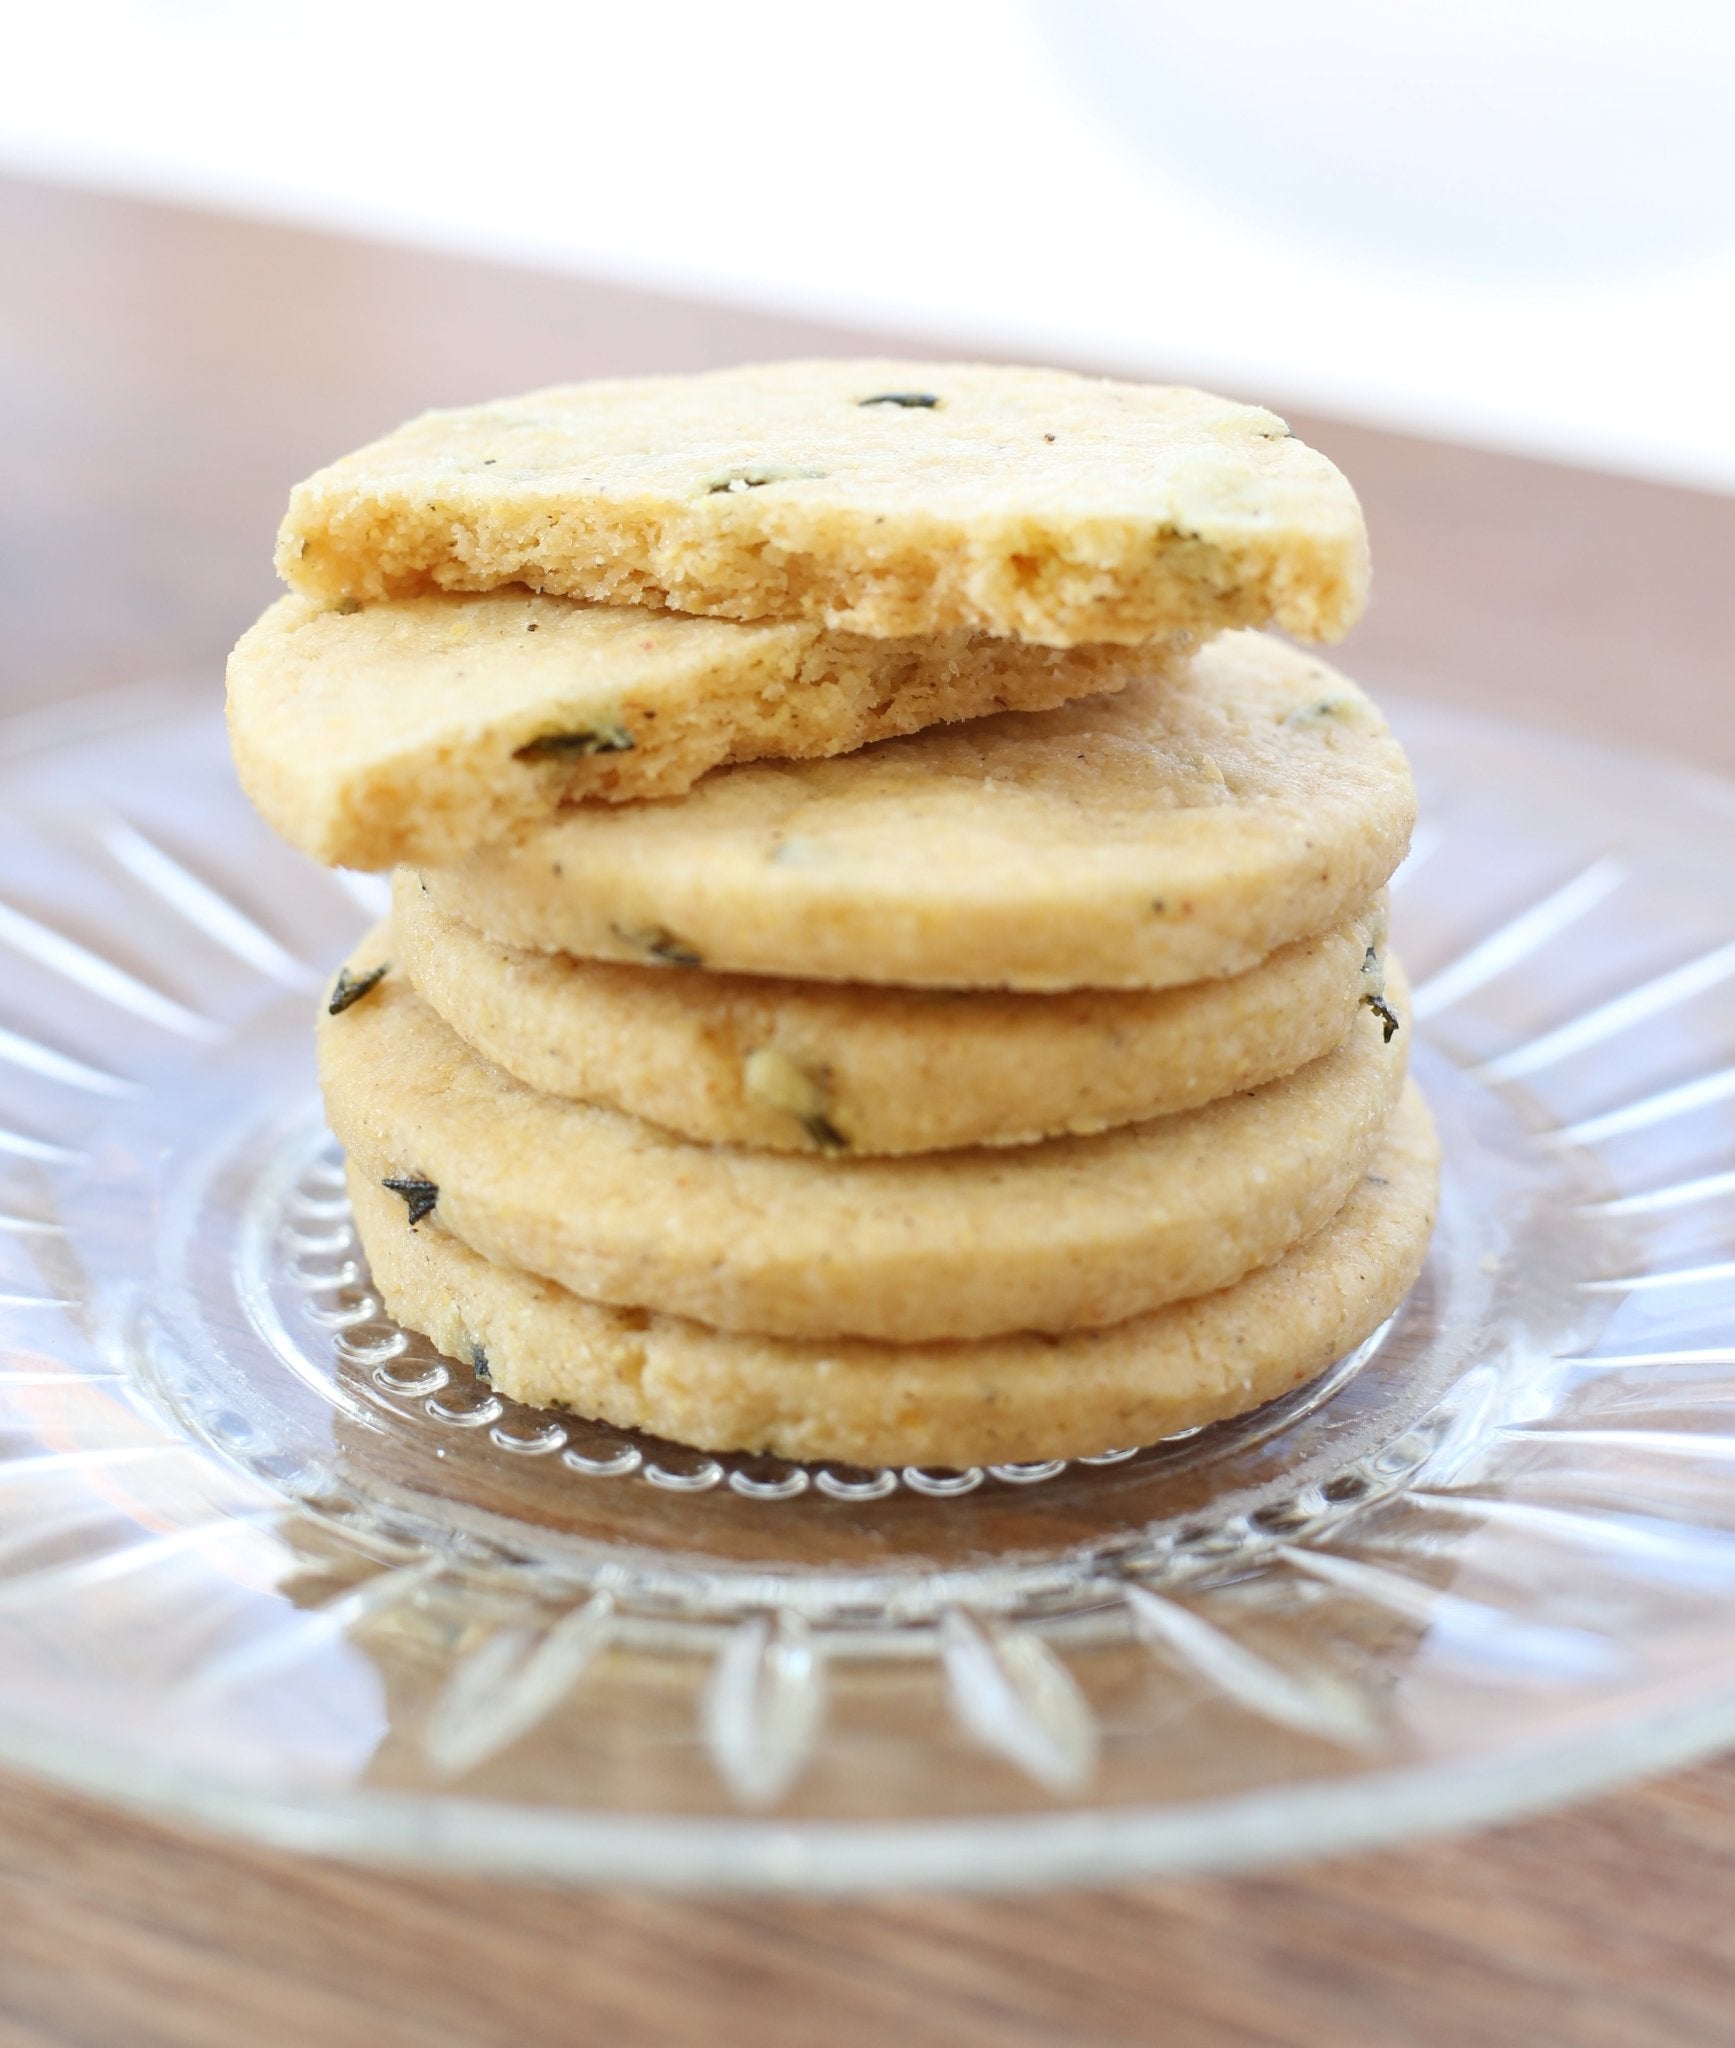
column 773, row 1079
column 923, row 400
column 756, row 475
column 1315, row 713
column 419, row 1196
column 1351, row 713
column 607, row 736
column 658, row 944
column 1386, row 1014
column 350, row 988
column 1373, row 982
column 479, row 1361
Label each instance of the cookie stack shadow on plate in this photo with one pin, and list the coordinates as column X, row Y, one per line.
column 887, row 959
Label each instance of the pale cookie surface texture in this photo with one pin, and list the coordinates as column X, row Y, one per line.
column 1182, row 829
column 1002, row 1400
column 811, row 1066
column 420, row 729
column 1073, row 1233
column 887, row 498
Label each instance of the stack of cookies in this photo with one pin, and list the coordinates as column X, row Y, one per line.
column 887, row 960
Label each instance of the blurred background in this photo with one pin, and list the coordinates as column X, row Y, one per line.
column 1510, row 219
column 241, row 235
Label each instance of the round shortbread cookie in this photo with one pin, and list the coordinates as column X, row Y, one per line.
column 421, row 729
column 1183, row 829
column 1001, row 1400
column 795, row 1066
column 1071, row 1234
column 878, row 497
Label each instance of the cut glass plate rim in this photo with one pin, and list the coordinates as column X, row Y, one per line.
column 1023, row 1851
column 1017, row 1850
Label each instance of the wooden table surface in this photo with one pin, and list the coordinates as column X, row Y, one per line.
column 164, row 375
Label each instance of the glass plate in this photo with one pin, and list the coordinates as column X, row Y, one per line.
column 268, row 1563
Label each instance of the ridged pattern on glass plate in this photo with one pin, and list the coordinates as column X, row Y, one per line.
column 256, row 1542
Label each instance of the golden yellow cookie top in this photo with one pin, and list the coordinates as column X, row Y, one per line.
column 880, row 497
column 1182, row 829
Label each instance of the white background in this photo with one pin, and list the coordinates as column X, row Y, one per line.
column 1508, row 219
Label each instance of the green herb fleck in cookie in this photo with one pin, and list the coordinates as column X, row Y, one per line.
column 1348, row 711
column 922, row 400
column 479, row 1361
column 756, row 476
column 350, row 988
column 658, row 944
column 419, row 1196
column 1386, row 1014
column 606, row 736
column 773, row 1079
column 1373, row 976
column 1315, row 713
